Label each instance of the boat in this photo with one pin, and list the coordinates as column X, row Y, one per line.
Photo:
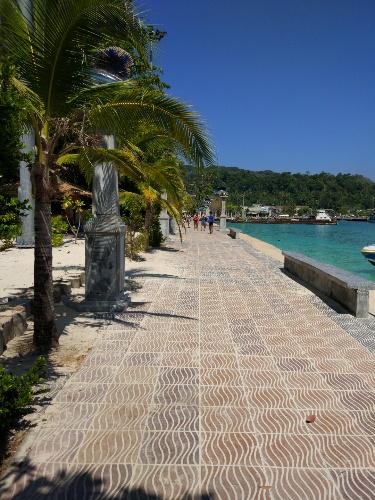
column 368, row 253
column 321, row 218
column 371, row 218
column 321, row 215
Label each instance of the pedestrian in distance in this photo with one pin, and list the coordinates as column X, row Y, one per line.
column 195, row 220
column 211, row 223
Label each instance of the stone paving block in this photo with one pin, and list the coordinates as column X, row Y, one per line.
column 198, row 391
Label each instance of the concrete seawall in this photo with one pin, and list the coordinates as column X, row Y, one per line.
column 277, row 254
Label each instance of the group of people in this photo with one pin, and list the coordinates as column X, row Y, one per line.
column 203, row 220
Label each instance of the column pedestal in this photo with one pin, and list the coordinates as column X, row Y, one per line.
column 105, row 246
column 105, row 265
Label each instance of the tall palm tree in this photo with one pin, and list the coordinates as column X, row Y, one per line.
column 161, row 168
column 56, row 53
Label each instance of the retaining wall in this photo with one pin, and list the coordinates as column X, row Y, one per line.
column 349, row 290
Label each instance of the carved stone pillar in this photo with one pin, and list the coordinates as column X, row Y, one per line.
column 105, row 244
column 223, row 217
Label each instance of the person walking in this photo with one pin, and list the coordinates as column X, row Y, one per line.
column 211, row 219
column 195, row 220
column 203, row 222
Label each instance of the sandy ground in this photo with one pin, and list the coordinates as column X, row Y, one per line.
column 263, row 247
column 17, row 265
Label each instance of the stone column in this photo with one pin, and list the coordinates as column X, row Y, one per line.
column 223, row 217
column 105, row 244
column 164, row 218
column 27, row 238
column 173, row 226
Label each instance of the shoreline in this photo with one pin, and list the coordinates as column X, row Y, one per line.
column 263, row 247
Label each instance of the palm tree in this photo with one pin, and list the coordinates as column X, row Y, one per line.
column 161, row 168
column 55, row 54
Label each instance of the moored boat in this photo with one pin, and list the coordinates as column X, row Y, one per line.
column 369, row 253
column 321, row 215
column 371, row 218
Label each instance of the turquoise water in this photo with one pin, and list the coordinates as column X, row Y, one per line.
column 337, row 245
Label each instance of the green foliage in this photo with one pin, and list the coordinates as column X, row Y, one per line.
column 155, row 235
column 59, row 228
column 135, row 244
column 77, row 206
column 133, row 207
column 204, row 185
column 270, row 188
column 11, row 210
column 12, row 111
column 16, row 392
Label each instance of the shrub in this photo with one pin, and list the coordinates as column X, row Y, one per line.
column 16, row 392
column 134, row 244
column 133, row 213
column 11, row 210
column 59, row 228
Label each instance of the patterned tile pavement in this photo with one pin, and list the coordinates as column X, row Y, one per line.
column 203, row 387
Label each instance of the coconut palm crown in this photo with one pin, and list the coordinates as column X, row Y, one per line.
column 55, row 46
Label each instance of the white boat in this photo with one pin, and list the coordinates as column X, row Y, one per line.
column 368, row 253
column 322, row 216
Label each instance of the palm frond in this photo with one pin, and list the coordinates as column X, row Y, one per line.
column 56, row 54
column 163, row 175
column 117, row 104
column 87, row 158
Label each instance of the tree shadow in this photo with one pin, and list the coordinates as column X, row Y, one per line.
column 104, row 481
column 140, row 273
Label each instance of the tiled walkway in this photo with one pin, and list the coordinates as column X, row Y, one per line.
column 202, row 390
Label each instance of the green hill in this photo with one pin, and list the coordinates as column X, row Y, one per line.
column 338, row 192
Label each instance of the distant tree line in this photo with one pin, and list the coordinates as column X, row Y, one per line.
column 324, row 190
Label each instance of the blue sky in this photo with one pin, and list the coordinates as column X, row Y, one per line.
column 284, row 85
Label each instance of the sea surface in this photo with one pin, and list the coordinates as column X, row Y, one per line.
column 337, row 245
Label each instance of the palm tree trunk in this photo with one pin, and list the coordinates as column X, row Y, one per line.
column 45, row 331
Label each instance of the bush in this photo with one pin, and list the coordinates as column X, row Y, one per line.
column 134, row 244
column 16, row 392
column 59, row 228
column 133, row 214
column 11, row 210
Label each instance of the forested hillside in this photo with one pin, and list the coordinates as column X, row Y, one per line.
column 271, row 188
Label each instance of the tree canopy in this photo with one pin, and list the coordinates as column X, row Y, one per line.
column 271, row 188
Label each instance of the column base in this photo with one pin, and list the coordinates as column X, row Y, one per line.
column 25, row 241
column 223, row 223
column 110, row 306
